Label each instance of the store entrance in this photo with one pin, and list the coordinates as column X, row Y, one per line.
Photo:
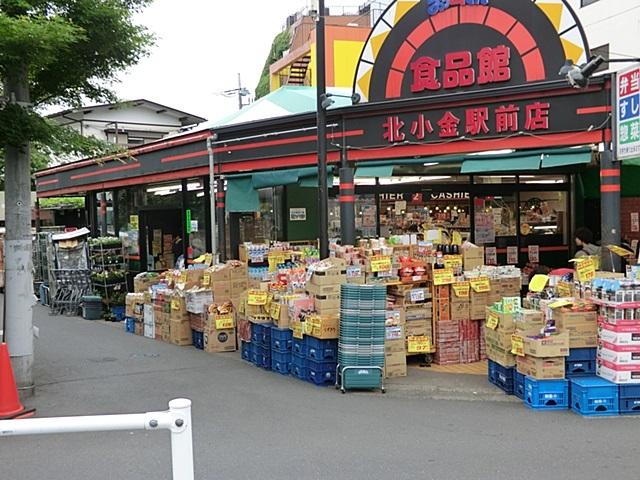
column 159, row 230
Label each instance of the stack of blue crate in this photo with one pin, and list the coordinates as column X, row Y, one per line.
column 629, row 399
column 321, row 360
column 501, row 377
column 546, row 394
column 594, row 397
column 265, row 346
column 299, row 358
column 581, row 362
column 281, row 350
column 518, row 384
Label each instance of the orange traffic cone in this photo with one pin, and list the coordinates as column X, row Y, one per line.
column 10, row 406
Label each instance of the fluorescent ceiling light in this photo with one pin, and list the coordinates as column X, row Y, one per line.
column 201, row 194
column 494, row 152
column 431, row 164
column 194, row 186
column 544, row 182
column 164, row 188
column 399, row 180
column 164, row 193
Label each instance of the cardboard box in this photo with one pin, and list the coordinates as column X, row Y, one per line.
column 220, row 274
column 477, row 305
column 214, row 318
column 395, row 364
column 238, row 287
column 180, row 333
column 565, row 319
column 498, row 338
column 443, row 309
column 581, row 326
column 143, row 281
column 220, row 340
column 553, row 346
column 166, row 332
column 395, row 317
column 324, row 327
column 619, row 355
column 542, row 368
column 501, row 356
column 394, row 341
column 322, row 290
column 221, row 291
column 326, row 304
column 139, row 328
column 418, row 328
column 149, row 331
column 460, row 310
column 472, row 258
column 283, row 320
column 334, row 274
column 527, row 320
column 620, row 335
column 506, row 321
column 417, row 312
column 237, row 272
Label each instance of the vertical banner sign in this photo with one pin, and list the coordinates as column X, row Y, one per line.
column 635, row 222
column 628, row 113
column 512, row 255
column 188, row 221
column 534, row 253
column 491, row 255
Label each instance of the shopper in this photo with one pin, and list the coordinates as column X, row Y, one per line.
column 178, row 249
column 584, row 242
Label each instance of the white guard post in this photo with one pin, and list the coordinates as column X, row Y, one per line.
column 177, row 420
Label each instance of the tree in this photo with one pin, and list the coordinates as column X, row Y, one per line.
column 281, row 44
column 52, row 52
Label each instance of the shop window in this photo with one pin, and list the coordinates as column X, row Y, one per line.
column 494, row 179
column 197, row 215
column 495, row 220
column 543, row 179
column 260, row 226
column 104, row 212
column 544, row 218
column 366, row 214
column 164, row 195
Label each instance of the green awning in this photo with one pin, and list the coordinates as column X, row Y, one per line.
column 565, row 159
column 241, row 196
column 632, row 162
column 274, row 178
column 312, row 182
column 374, row 171
column 513, row 164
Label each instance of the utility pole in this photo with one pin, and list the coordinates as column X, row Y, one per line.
column 240, row 104
column 323, row 192
column 19, row 300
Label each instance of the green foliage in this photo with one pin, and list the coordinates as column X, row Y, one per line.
column 62, row 203
column 280, row 45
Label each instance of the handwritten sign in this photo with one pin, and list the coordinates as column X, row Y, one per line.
column 257, row 297
column 443, row 277
column 512, row 255
column 184, row 276
column 297, row 330
column 534, row 253
column 480, row 285
column 461, row 289
column 517, row 345
column 564, row 289
column 417, row 295
column 586, row 270
column 418, row 344
column 491, row 255
column 206, row 279
column 225, row 321
column 380, row 263
column 275, row 310
column 453, row 261
column 175, row 304
column 493, row 320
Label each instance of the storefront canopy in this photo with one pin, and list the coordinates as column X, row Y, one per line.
column 241, row 196
column 513, row 164
column 374, row 171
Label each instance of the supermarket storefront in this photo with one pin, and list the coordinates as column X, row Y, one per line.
column 464, row 124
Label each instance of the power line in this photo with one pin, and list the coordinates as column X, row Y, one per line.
column 612, row 16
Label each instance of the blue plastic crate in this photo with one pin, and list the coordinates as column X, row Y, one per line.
column 130, row 325
column 245, row 351
column 299, row 371
column 501, row 377
column 578, row 354
column 281, row 339
column 281, row 362
column 256, row 333
column 594, row 396
column 321, row 373
column 118, row 313
column 299, row 346
column 580, row 368
column 546, row 394
column 518, row 385
column 629, row 399
column 321, row 350
column 197, row 339
column 266, row 335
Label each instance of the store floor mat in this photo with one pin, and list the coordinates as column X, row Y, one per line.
column 478, row 368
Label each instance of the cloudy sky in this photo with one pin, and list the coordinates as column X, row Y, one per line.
column 201, row 47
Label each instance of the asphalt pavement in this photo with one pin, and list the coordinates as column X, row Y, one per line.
column 250, row 423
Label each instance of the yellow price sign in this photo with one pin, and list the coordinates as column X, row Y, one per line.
column 184, row 277
column 175, row 304
column 586, row 270
column 560, row 304
column 621, row 252
column 275, row 310
column 538, row 283
column 443, row 277
column 208, row 259
column 308, row 328
column 481, row 285
column 206, row 280
column 564, row 289
column 453, row 261
column 493, row 321
column 380, row 263
column 225, row 321
column 257, row 297
column 461, row 289
column 517, row 345
column 418, row 344
column 456, row 238
column 297, row 330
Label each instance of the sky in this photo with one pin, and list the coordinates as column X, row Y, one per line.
column 201, row 47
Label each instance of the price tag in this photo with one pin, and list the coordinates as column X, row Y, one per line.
column 354, row 271
column 418, row 344
column 491, row 255
column 517, row 345
column 564, row 289
column 481, row 285
column 308, row 327
column 297, row 330
column 461, row 289
column 493, row 321
column 275, row 310
column 586, row 270
column 175, row 304
column 208, row 259
column 453, row 261
column 456, row 238
column 443, row 277
column 538, row 283
column 380, row 263
column 534, row 253
column 257, row 297
column 512, row 255
column 206, row 280
column 184, row 277
column 225, row 321
column 417, row 295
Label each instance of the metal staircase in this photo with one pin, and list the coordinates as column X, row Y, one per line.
column 298, row 71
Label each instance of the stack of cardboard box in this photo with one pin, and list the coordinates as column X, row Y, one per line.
column 220, row 330
column 238, row 276
column 544, row 357
column 498, row 334
column 324, row 285
column 447, row 330
column 582, row 326
column 395, row 356
column 179, row 325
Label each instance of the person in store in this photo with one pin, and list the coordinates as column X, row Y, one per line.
column 177, row 249
column 584, row 242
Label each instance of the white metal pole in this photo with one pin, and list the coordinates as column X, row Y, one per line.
column 181, row 440
column 212, row 195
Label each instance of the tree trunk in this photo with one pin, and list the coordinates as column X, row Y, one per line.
column 19, row 299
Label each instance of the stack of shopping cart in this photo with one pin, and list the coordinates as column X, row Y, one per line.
column 361, row 344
